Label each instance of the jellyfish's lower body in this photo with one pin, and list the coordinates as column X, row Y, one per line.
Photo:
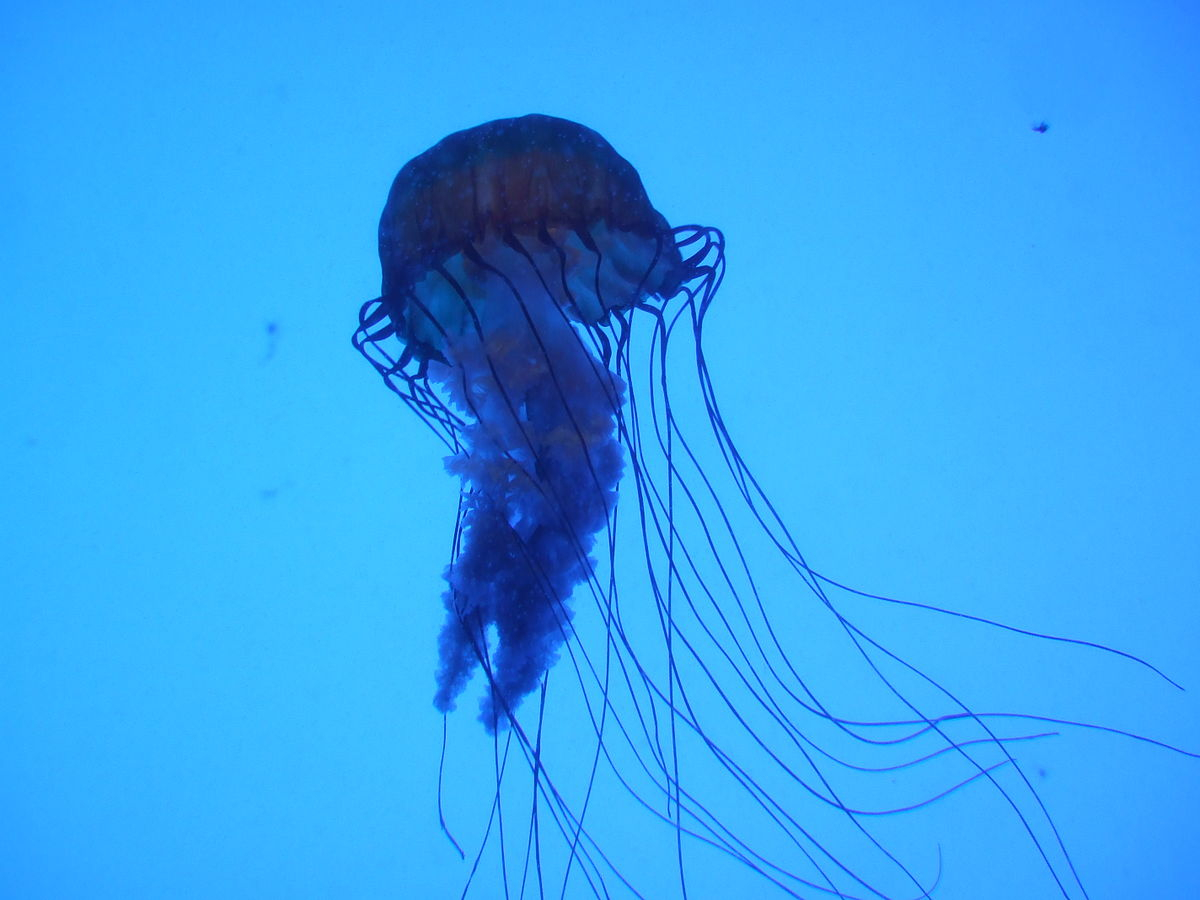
column 539, row 463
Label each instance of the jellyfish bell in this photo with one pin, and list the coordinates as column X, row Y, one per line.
column 533, row 196
column 536, row 312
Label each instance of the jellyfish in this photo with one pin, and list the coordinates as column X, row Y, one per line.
column 606, row 585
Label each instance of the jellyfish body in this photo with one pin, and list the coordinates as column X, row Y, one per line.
column 534, row 310
column 491, row 255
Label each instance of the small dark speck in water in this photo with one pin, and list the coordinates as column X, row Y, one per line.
column 272, row 340
column 268, row 494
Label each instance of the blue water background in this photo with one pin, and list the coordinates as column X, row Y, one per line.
column 963, row 354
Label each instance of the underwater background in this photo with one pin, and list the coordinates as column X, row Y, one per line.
column 961, row 351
